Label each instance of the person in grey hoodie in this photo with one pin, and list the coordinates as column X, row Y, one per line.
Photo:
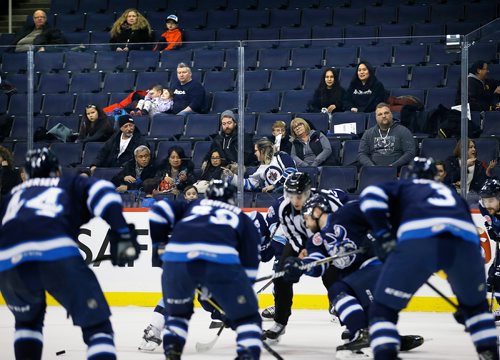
column 386, row 143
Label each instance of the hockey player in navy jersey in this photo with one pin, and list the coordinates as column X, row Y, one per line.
column 336, row 234
column 489, row 206
column 286, row 213
column 38, row 252
column 214, row 245
column 421, row 226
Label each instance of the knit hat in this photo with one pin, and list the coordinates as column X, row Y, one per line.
column 173, row 18
column 124, row 119
column 228, row 113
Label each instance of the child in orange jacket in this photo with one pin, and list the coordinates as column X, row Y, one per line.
column 172, row 37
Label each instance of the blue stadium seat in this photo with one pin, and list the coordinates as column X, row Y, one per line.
column 438, row 149
column 14, row 62
column 324, row 36
column 111, row 60
column 428, row 33
column 307, row 58
column 295, row 100
column 377, row 15
column 198, row 39
column 105, row 173
column 462, row 28
column 313, row 173
column 410, row 54
column 217, row 19
column 142, row 123
column 263, row 101
column 394, row 34
column 200, row 127
column 20, row 81
column 411, row 14
column 483, row 51
column 286, row 80
column 312, row 78
column 53, row 83
column 217, row 5
column 229, row 38
column 200, row 151
column 425, row 77
column 70, row 22
column 58, row 104
column 441, row 13
column 346, row 75
column 143, row 60
column 147, row 79
column 348, row 16
column 20, row 149
column 63, row 6
column 119, row 82
column 377, row 55
column 79, row 61
column 436, row 96
column 263, row 37
column 19, row 129
column 439, row 55
column 265, row 200
column 224, row 100
column 491, row 124
column 48, row 61
column 486, row 149
column 341, row 56
column 77, row 38
column 204, row 59
column 371, row 175
column 393, row 77
column 250, row 58
column 253, row 18
column 166, row 126
column 295, row 37
column 84, row 99
column 320, row 17
column 69, row 154
column 170, row 59
column 99, row 41
column 350, row 152
column 219, row 81
column 279, row 18
column 17, row 104
column 186, row 5
column 486, row 11
column 193, row 19
column 419, row 93
column 349, row 117
column 257, row 80
column 99, row 21
column 356, row 35
column 338, row 177
column 90, row 152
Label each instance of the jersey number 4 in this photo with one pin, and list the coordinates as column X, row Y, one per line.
column 44, row 204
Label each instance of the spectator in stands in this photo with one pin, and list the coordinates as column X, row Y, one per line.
column 477, row 171
column 189, row 94
column 365, row 90
column 213, row 168
column 172, row 38
column 96, row 125
column 9, row 176
column 329, row 95
column 190, row 193
column 273, row 170
column 309, row 147
column 135, row 171
column 226, row 141
column 281, row 140
column 120, row 147
column 158, row 100
column 130, row 32
column 484, row 93
column 148, row 186
column 175, row 172
column 39, row 33
column 387, row 142
column 441, row 171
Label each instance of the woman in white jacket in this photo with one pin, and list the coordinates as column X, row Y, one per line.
column 273, row 170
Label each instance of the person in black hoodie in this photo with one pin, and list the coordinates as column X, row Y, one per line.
column 38, row 33
column 365, row 90
column 120, row 147
column 226, row 142
column 96, row 126
column 329, row 94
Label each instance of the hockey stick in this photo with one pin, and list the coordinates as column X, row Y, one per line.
column 492, row 300
column 309, row 266
column 445, row 298
column 266, row 285
column 200, row 347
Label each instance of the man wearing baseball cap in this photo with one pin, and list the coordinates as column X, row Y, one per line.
column 120, row 147
column 172, row 38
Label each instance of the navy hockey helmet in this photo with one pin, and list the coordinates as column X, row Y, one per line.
column 490, row 188
column 316, row 201
column 422, row 168
column 297, row 183
column 221, row 190
column 41, row 163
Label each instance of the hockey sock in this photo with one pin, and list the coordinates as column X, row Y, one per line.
column 482, row 330
column 384, row 337
column 101, row 347
column 350, row 312
column 28, row 344
column 248, row 339
column 175, row 332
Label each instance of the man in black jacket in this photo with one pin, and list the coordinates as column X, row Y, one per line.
column 120, row 147
column 135, row 171
column 39, row 33
column 226, row 141
column 483, row 92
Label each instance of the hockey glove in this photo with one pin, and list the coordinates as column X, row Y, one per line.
column 384, row 244
column 158, row 250
column 124, row 247
column 493, row 280
column 292, row 269
column 340, row 249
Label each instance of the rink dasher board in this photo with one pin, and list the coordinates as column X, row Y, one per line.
column 139, row 284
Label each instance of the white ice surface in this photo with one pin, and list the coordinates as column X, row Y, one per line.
column 309, row 335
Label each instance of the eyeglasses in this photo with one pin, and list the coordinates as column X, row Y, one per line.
column 91, row 106
column 297, row 126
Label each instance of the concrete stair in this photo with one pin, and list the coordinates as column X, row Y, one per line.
column 21, row 9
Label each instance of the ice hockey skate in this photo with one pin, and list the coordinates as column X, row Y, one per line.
column 173, row 352
column 357, row 348
column 496, row 315
column 273, row 335
column 268, row 313
column 409, row 342
column 151, row 338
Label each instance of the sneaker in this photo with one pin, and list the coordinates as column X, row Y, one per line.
column 360, row 341
column 275, row 332
column 173, row 352
column 151, row 339
column 268, row 313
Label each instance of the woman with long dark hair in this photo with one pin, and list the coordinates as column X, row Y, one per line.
column 329, row 94
column 175, row 172
column 365, row 90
